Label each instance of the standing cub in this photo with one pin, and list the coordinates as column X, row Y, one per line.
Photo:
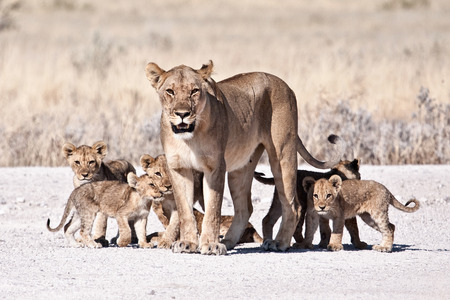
column 339, row 200
column 125, row 202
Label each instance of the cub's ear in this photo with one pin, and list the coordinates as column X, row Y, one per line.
column 101, row 149
column 153, row 72
column 336, row 181
column 146, row 161
column 308, row 182
column 132, row 179
column 68, row 150
column 355, row 164
column 206, row 70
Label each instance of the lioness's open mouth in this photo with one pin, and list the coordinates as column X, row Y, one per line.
column 183, row 128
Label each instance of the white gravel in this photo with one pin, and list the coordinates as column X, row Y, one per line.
column 37, row 264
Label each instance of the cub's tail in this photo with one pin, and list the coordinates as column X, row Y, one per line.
column 394, row 202
column 67, row 210
column 264, row 180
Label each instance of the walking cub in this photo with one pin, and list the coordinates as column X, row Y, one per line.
column 347, row 170
column 339, row 200
column 88, row 166
column 124, row 202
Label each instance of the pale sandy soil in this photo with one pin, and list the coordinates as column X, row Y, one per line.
column 37, row 264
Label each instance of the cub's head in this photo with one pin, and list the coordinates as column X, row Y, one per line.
column 348, row 169
column 85, row 161
column 183, row 94
column 323, row 192
column 156, row 168
column 145, row 186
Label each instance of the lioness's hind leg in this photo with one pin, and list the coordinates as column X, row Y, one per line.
column 271, row 218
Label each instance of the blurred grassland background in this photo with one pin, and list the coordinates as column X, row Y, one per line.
column 374, row 72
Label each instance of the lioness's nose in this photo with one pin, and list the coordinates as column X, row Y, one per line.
column 182, row 114
column 322, row 207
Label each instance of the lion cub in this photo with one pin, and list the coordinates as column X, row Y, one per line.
column 347, row 170
column 124, row 202
column 339, row 200
column 88, row 166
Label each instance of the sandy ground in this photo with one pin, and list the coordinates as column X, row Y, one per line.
column 37, row 264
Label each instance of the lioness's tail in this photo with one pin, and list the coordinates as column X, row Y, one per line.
column 67, row 210
column 339, row 146
column 264, row 180
column 394, row 202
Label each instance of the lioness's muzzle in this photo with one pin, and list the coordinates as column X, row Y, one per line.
column 183, row 128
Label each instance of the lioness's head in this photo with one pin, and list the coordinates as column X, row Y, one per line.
column 145, row 186
column 182, row 92
column 85, row 161
column 156, row 168
column 323, row 192
column 348, row 169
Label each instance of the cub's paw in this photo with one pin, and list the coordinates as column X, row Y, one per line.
column 165, row 244
column 92, row 244
column 123, row 242
column 303, row 245
column 323, row 245
column 381, row 248
column 360, row 245
column 335, row 247
column 146, row 245
column 184, row 247
column 104, row 242
column 213, row 249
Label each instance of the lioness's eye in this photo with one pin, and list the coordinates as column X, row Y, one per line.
column 194, row 91
column 158, row 174
column 170, row 92
column 77, row 162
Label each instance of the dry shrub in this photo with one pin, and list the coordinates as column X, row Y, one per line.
column 423, row 140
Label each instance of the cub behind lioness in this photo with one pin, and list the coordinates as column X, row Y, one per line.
column 339, row 200
column 122, row 201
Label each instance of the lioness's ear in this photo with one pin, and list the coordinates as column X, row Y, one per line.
column 101, row 148
column 336, row 181
column 153, row 72
column 132, row 179
column 146, row 161
column 68, row 149
column 206, row 70
column 307, row 183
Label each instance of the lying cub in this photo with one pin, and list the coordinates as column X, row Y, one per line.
column 339, row 200
column 125, row 202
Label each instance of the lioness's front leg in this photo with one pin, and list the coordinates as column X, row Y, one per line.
column 183, row 190
column 213, row 185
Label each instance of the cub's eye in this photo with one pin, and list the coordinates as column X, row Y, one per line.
column 158, row 174
column 194, row 91
column 92, row 162
column 151, row 184
column 316, row 196
column 170, row 92
column 328, row 196
column 77, row 162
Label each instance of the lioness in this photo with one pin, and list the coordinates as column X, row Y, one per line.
column 88, row 166
column 339, row 200
column 225, row 127
column 347, row 170
column 122, row 201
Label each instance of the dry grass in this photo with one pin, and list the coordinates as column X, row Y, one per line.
column 73, row 70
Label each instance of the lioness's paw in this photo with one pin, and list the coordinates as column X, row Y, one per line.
column 184, row 247
column 228, row 244
column 381, row 248
column 303, row 245
column 335, row 247
column 360, row 245
column 146, row 245
column 270, row 245
column 213, row 249
column 164, row 244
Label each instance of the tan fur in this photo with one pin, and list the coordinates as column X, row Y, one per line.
column 347, row 170
column 88, row 166
column 225, row 127
column 339, row 200
column 122, row 201
column 166, row 209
